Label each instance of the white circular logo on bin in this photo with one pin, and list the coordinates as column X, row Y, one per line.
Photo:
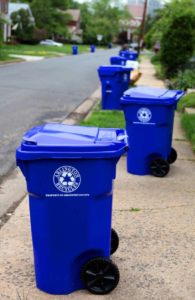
column 67, row 179
column 144, row 115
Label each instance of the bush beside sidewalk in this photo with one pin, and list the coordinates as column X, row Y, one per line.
column 154, row 218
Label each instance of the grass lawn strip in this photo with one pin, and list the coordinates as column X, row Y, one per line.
column 40, row 50
column 105, row 118
column 188, row 123
column 186, row 101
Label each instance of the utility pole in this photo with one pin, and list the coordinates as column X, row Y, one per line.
column 141, row 35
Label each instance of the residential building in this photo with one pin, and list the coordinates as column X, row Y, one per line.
column 74, row 25
column 4, row 15
column 152, row 5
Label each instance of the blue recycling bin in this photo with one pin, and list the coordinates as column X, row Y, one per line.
column 129, row 55
column 110, row 45
column 114, row 81
column 149, row 115
column 92, row 48
column 118, row 60
column 74, row 49
column 69, row 172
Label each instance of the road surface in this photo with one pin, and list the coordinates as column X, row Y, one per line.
column 43, row 91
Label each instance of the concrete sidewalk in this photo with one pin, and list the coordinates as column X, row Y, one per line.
column 156, row 256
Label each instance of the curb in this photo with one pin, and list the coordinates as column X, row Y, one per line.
column 16, row 179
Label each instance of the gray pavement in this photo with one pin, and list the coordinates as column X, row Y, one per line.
column 156, row 254
column 42, row 91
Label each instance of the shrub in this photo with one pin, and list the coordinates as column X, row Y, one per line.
column 185, row 80
column 177, row 43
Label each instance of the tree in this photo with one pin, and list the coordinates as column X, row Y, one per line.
column 177, row 43
column 101, row 17
column 49, row 16
column 24, row 25
column 174, row 27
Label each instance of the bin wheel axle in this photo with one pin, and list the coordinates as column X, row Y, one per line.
column 159, row 167
column 100, row 276
column 172, row 156
column 114, row 241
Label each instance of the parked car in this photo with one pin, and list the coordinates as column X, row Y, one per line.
column 50, row 43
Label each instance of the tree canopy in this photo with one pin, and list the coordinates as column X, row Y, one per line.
column 174, row 27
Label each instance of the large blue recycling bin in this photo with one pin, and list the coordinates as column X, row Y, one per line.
column 74, row 49
column 92, row 48
column 129, row 54
column 115, row 81
column 118, row 60
column 149, row 115
column 69, row 172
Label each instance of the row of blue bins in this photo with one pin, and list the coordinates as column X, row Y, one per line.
column 149, row 115
column 69, row 172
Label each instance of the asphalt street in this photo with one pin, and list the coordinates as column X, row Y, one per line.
column 32, row 93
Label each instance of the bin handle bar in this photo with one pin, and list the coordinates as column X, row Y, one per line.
column 179, row 95
column 122, row 136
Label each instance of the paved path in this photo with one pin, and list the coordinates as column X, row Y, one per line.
column 156, row 256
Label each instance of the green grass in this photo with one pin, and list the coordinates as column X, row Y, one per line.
column 135, row 209
column 105, row 119
column 155, row 60
column 4, row 58
column 186, row 101
column 188, row 123
column 39, row 50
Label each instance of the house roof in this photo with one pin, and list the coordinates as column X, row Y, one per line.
column 136, row 10
column 13, row 7
column 75, row 13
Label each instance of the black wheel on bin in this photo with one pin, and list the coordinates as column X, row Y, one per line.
column 172, row 156
column 114, row 241
column 159, row 167
column 100, row 276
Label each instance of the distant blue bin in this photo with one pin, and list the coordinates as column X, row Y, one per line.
column 92, row 48
column 118, row 60
column 74, row 49
column 149, row 115
column 69, row 172
column 110, row 46
column 115, row 81
column 129, row 55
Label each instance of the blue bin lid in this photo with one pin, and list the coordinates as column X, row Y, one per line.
column 112, row 69
column 118, row 57
column 151, row 95
column 65, row 141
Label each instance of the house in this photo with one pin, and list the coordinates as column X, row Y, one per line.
column 152, row 5
column 130, row 27
column 74, row 25
column 6, row 28
column 136, row 11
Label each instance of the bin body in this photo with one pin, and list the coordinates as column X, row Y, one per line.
column 114, row 81
column 130, row 55
column 109, row 45
column 118, row 60
column 74, row 49
column 92, row 48
column 70, row 196
column 149, row 115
